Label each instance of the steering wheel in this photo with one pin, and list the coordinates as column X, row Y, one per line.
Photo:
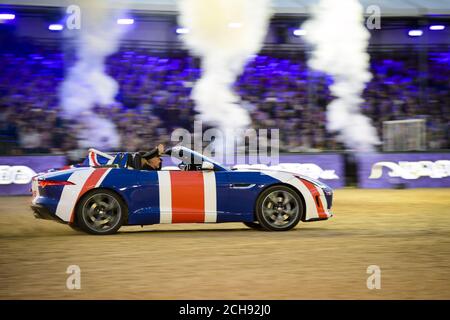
column 183, row 166
column 189, row 167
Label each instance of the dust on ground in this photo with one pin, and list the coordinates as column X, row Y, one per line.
column 404, row 232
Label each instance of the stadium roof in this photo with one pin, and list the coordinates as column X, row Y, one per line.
column 290, row 7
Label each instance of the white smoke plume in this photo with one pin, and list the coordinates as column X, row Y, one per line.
column 339, row 39
column 225, row 34
column 87, row 83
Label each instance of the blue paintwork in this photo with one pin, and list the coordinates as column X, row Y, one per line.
column 241, row 202
column 49, row 197
column 145, row 206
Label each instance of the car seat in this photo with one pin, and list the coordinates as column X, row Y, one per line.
column 134, row 161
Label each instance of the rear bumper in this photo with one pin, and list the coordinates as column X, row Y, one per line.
column 41, row 212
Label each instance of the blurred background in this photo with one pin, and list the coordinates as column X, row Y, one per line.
column 156, row 73
column 359, row 91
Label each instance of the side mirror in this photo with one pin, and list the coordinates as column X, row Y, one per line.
column 207, row 165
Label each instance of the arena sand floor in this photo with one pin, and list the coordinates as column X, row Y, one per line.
column 404, row 232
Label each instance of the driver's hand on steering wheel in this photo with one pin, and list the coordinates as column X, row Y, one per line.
column 182, row 166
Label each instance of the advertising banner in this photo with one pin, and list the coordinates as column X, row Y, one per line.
column 410, row 170
column 16, row 172
column 328, row 168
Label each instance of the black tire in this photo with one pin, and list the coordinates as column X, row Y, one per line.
column 279, row 208
column 253, row 225
column 101, row 212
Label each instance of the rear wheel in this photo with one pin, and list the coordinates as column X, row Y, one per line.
column 101, row 212
column 279, row 208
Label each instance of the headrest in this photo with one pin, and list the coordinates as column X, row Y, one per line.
column 137, row 161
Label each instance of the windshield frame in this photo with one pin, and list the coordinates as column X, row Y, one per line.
column 173, row 153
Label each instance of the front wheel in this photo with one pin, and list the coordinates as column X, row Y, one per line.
column 279, row 208
column 101, row 212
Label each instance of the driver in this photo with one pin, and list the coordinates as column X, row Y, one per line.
column 151, row 160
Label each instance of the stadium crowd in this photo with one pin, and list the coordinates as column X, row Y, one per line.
column 278, row 91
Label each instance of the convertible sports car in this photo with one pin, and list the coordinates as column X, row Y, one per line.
column 109, row 191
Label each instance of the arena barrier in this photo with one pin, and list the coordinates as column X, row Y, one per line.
column 378, row 170
column 408, row 170
column 16, row 172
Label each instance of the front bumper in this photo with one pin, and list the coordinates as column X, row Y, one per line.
column 328, row 192
column 320, row 219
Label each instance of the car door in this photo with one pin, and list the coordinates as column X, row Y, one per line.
column 242, row 191
column 193, row 196
column 186, row 195
column 173, row 196
column 146, row 199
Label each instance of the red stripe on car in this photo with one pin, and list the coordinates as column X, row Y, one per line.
column 316, row 196
column 188, row 197
column 94, row 160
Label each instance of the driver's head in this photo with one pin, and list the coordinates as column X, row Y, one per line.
column 154, row 163
column 151, row 160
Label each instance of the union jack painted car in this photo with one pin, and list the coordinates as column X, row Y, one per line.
column 108, row 191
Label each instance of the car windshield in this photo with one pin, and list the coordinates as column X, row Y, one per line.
column 189, row 156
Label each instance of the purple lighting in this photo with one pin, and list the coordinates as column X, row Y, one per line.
column 437, row 27
column 182, row 30
column 7, row 16
column 125, row 21
column 299, row 32
column 415, row 33
column 55, row 27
